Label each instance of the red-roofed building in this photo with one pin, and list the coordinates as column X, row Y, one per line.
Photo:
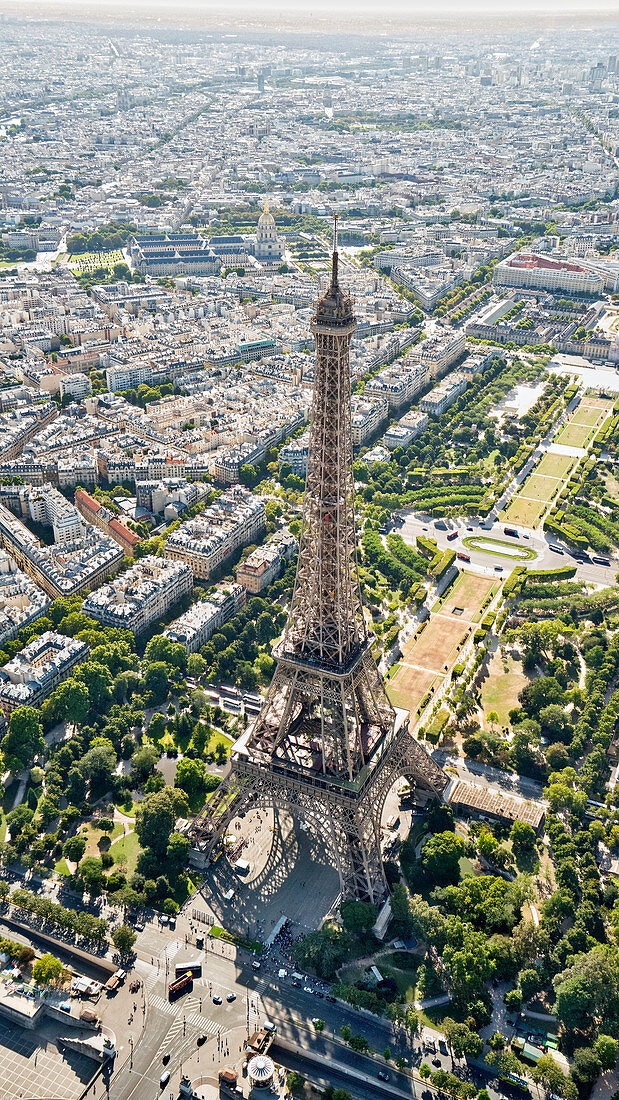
column 95, row 512
column 537, row 272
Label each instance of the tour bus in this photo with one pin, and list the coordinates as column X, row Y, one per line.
column 179, row 986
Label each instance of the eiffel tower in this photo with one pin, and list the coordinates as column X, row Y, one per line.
column 328, row 745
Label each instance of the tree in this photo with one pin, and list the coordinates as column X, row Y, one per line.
column 97, row 765
column 156, row 681
column 587, row 992
column 72, row 701
column 358, row 916
column 606, row 1049
column 440, row 857
column 144, row 760
column 74, row 848
column 464, row 1042
column 319, row 1025
column 155, row 819
column 161, row 649
column 523, row 838
column 547, row 1073
column 47, row 970
column 294, row 1080
column 190, row 776
column 91, row 872
column 345, row 1032
column 177, row 854
column 123, row 938
column 401, row 908
column 24, row 739
column 586, row 1066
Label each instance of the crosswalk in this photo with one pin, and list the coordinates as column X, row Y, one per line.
column 172, row 949
column 192, row 1018
column 148, row 973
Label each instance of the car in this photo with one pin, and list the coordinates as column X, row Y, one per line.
column 139, row 927
column 163, row 1080
column 498, row 568
column 331, row 999
column 256, row 965
column 165, row 1059
column 315, row 1019
column 307, row 989
column 436, row 1062
column 318, row 993
column 163, row 919
column 297, row 984
column 382, row 1076
column 201, row 1040
column 556, row 549
column 231, row 997
column 217, row 1000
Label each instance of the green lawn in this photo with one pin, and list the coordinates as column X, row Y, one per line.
column 554, row 465
column 500, row 691
column 126, row 851
column 61, row 867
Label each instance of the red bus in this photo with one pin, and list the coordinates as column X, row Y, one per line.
column 463, row 557
column 181, row 985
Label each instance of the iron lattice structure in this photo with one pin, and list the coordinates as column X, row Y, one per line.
column 327, row 745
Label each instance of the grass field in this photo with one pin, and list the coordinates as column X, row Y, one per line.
column 528, row 513
column 88, row 261
column 125, row 852
column 553, row 466
column 538, row 487
column 576, row 435
column 500, row 691
column 408, row 686
column 469, row 592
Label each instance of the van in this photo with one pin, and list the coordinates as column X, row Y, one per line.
column 268, row 1026
column 163, row 1080
column 241, row 867
column 256, row 965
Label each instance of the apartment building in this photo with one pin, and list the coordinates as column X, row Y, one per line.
column 42, row 665
column 76, row 386
column 368, row 416
column 262, row 566
column 203, row 619
column 295, row 453
column 236, row 519
column 406, row 430
column 443, row 396
column 140, row 596
column 21, row 601
column 63, row 570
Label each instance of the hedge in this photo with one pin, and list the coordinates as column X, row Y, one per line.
column 563, row 572
column 445, row 563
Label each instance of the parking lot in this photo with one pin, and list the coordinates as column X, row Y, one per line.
column 32, row 1065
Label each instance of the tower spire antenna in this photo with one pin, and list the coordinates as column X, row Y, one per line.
column 334, row 257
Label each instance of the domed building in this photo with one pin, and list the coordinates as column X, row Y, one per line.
column 269, row 248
